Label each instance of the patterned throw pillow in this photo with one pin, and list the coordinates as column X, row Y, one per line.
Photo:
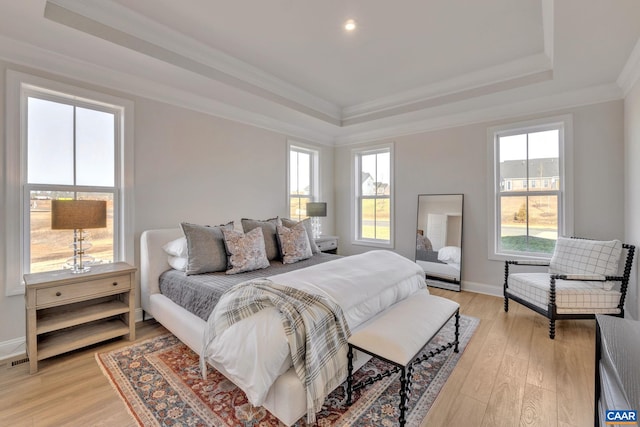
column 268, row 231
column 205, row 248
column 581, row 256
column 245, row 251
column 307, row 225
column 294, row 243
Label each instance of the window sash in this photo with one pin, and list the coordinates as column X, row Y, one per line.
column 562, row 191
column 26, row 220
column 28, row 187
column 359, row 197
column 19, row 86
column 312, row 194
column 527, row 195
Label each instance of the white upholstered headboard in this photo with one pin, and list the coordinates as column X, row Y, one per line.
column 153, row 260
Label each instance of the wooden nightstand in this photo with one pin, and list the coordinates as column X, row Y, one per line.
column 327, row 244
column 67, row 311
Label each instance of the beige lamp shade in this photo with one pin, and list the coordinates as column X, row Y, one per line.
column 76, row 214
column 316, row 209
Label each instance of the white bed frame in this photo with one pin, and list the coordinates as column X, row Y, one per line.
column 286, row 399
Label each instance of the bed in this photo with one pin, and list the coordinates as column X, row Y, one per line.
column 286, row 396
column 443, row 264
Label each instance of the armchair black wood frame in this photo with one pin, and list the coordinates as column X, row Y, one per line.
column 551, row 312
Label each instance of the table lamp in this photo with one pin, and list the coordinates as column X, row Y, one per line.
column 315, row 210
column 78, row 215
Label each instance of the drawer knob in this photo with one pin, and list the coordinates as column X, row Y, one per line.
column 58, row 293
column 115, row 283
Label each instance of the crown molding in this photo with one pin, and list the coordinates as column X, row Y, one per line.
column 518, row 72
column 18, row 52
column 21, row 53
column 547, row 29
column 117, row 24
column 541, row 105
column 630, row 73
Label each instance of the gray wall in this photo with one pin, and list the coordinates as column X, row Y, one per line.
column 189, row 166
column 455, row 161
column 632, row 190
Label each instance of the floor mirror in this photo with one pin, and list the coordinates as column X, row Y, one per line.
column 439, row 239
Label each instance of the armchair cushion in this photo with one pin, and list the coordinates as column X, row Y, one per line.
column 572, row 296
column 581, row 256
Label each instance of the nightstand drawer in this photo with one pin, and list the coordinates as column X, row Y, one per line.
column 327, row 245
column 79, row 291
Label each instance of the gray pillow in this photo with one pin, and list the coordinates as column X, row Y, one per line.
column 205, row 248
column 294, row 243
column 289, row 223
column 268, row 231
column 246, row 251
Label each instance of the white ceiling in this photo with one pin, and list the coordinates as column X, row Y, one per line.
column 289, row 65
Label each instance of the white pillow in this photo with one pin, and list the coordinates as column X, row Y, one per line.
column 176, row 248
column 449, row 254
column 178, row 263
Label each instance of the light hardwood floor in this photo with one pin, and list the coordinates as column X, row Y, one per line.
column 511, row 374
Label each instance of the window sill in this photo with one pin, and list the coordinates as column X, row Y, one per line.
column 519, row 257
column 372, row 243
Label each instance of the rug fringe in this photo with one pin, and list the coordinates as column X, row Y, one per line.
column 118, row 390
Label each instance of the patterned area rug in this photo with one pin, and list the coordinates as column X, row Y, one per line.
column 159, row 380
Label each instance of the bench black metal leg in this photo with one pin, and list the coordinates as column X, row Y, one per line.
column 403, row 396
column 350, row 375
column 457, row 330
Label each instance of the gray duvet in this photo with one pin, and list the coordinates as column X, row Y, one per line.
column 200, row 293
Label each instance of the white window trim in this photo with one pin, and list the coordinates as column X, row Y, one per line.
column 15, row 171
column 355, row 191
column 566, row 174
column 315, row 170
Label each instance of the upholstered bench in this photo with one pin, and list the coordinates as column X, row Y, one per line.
column 398, row 334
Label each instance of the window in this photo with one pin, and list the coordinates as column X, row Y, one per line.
column 527, row 219
column 303, row 166
column 64, row 143
column 373, row 196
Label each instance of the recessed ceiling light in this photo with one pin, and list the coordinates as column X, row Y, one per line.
column 350, row 25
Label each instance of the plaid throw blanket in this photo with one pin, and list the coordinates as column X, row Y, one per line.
column 315, row 327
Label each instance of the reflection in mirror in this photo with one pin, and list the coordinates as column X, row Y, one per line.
column 439, row 239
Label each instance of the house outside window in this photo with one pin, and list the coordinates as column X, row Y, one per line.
column 303, row 180
column 67, row 143
column 373, row 196
column 527, row 221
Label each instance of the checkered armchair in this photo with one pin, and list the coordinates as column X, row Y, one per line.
column 584, row 278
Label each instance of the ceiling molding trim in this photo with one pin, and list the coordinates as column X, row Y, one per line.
column 630, row 73
column 119, row 25
column 480, row 82
column 547, row 28
column 27, row 55
column 553, row 103
column 456, row 97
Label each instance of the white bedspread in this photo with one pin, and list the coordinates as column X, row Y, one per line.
column 255, row 351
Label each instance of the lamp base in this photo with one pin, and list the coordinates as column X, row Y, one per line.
column 80, row 262
column 79, row 270
column 315, row 227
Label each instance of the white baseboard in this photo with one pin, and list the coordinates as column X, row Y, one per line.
column 13, row 348
column 17, row 347
column 482, row 288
